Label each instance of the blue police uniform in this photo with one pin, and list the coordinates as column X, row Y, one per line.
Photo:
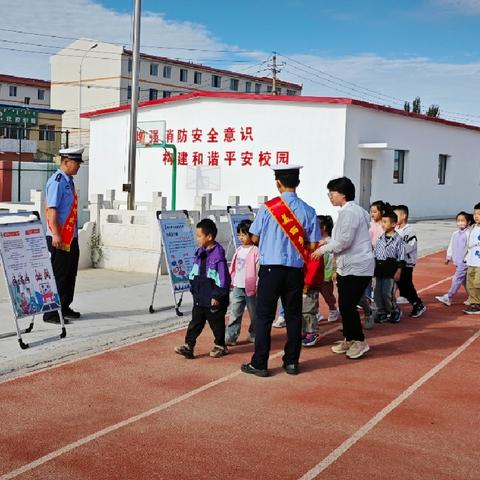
column 60, row 191
column 281, row 276
column 60, row 194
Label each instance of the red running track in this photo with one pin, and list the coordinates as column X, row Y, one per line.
column 408, row 409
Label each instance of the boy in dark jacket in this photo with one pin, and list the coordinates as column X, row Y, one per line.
column 210, row 287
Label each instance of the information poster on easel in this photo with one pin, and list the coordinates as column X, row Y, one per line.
column 179, row 247
column 28, row 269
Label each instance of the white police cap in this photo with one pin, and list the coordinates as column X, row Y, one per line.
column 283, row 167
column 72, row 153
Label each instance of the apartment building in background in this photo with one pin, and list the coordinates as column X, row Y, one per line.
column 90, row 75
column 24, row 91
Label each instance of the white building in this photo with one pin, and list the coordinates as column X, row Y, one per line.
column 89, row 75
column 24, row 91
column 226, row 142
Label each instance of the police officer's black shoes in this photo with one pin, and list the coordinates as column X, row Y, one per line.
column 69, row 313
column 259, row 372
column 291, row 369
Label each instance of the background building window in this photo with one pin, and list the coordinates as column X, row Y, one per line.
column 398, row 166
column 183, row 75
column 442, row 169
column 13, row 91
column 234, row 84
column 248, row 87
column 153, row 94
column 129, row 65
column 26, row 100
column 167, row 94
column 167, row 71
column 216, row 81
column 269, row 89
column 258, row 88
column 291, row 92
column 129, row 92
column 46, row 133
column 154, row 70
column 41, row 94
column 197, row 78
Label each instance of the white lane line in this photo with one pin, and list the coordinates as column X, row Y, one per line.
column 433, row 285
column 374, row 421
column 124, row 423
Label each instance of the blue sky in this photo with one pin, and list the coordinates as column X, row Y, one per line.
column 441, row 30
column 380, row 51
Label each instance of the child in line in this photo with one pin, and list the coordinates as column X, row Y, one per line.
column 405, row 284
column 377, row 210
column 389, row 254
column 326, row 288
column 456, row 254
column 210, row 287
column 313, row 281
column 244, row 274
column 473, row 263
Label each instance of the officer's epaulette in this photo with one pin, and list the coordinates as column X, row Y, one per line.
column 58, row 177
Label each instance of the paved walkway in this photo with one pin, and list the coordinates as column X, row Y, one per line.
column 115, row 307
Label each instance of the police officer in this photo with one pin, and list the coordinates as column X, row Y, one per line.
column 62, row 230
column 285, row 228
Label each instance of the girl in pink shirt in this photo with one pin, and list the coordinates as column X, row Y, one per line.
column 377, row 210
column 244, row 273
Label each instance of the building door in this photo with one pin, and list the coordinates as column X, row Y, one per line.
column 366, row 167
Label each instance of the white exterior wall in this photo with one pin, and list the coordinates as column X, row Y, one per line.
column 423, row 141
column 24, row 91
column 100, row 83
column 313, row 134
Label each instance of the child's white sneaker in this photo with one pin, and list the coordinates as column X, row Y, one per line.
column 402, row 301
column 280, row 322
column 333, row 315
column 445, row 299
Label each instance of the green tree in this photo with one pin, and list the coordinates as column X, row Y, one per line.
column 433, row 111
column 406, row 106
column 417, row 105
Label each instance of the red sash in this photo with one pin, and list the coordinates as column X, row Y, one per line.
column 68, row 228
column 289, row 223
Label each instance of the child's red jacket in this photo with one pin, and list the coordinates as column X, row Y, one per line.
column 314, row 272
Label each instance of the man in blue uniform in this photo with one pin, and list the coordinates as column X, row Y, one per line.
column 285, row 228
column 62, row 230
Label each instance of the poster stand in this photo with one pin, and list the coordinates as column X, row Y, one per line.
column 179, row 248
column 235, row 215
column 27, row 271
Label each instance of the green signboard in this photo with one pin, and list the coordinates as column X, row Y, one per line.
column 18, row 116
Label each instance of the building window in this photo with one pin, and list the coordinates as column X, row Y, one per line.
column 442, row 169
column 26, row 100
column 248, row 87
column 13, row 91
column 167, row 71
column 234, row 84
column 129, row 65
column 216, row 81
column 269, row 89
column 46, row 133
column 129, row 92
column 398, row 166
column 258, row 88
column 153, row 94
column 278, row 91
column 197, row 78
column 41, row 94
column 154, row 70
column 183, row 75
column 167, row 94
column 291, row 92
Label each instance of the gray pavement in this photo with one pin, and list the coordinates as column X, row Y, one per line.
column 115, row 312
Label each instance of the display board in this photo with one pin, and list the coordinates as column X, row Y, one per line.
column 179, row 247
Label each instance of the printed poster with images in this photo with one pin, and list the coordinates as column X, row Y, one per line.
column 179, row 245
column 28, row 269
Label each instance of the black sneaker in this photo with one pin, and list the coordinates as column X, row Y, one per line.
column 418, row 310
column 395, row 316
column 184, row 350
column 54, row 317
column 68, row 312
column 249, row 368
column 381, row 318
column 472, row 309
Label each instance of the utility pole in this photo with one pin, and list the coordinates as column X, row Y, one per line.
column 274, row 73
column 130, row 186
